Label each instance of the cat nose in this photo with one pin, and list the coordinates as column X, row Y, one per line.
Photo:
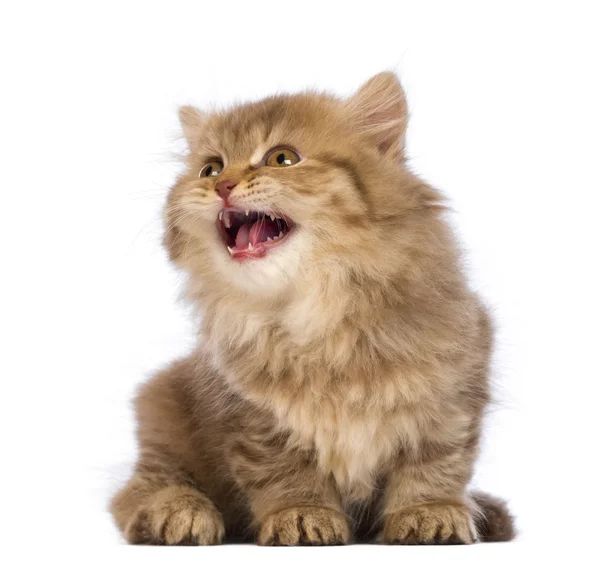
column 224, row 188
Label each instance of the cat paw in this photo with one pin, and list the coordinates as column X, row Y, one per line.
column 177, row 516
column 305, row 525
column 430, row 524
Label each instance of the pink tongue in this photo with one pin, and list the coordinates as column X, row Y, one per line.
column 258, row 232
column 241, row 239
column 263, row 229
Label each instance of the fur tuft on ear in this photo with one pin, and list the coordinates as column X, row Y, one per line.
column 192, row 121
column 379, row 109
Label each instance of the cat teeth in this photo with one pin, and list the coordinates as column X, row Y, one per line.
column 220, row 215
column 247, row 212
column 227, row 221
column 275, row 238
column 269, row 239
column 272, row 217
column 230, row 250
column 250, row 247
column 280, row 233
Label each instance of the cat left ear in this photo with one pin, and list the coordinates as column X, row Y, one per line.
column 379, row 109
column 192, row 121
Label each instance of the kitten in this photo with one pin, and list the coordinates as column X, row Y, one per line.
column 341, row 374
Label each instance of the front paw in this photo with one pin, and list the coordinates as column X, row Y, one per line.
column 430, row 524
column 305, row 525
column 176, row 516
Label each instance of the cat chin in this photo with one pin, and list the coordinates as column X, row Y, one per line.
column 269, row 274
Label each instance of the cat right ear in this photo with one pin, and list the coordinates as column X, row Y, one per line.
column 192, row 121
column 379, row 109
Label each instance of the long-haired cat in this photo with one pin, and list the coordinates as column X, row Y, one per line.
column 341, row 373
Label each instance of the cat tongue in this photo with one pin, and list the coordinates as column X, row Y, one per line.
column 261, row 230
column 241, row 239
column 258, row 232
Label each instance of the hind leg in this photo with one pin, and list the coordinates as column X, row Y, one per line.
column 166, row 500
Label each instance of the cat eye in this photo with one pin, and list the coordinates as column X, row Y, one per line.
column 282, row 157
column 212, row 168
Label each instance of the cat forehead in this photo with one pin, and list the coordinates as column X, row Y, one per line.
column 292, row 109
column 251, row 129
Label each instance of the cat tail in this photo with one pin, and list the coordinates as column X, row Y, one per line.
column 493, row 520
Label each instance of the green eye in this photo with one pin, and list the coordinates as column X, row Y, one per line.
column 210, row 169
column 282, row 158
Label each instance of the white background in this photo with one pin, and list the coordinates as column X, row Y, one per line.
column 504, row 101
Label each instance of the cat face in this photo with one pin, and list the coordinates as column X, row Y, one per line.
column 285, row 184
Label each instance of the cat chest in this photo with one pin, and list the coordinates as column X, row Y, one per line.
column 350, row 446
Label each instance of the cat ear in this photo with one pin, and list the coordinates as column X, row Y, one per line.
column 192, row 121
column 379, row 109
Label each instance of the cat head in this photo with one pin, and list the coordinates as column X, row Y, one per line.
column 290, row 184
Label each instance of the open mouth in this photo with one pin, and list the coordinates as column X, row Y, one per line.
column 251, row 234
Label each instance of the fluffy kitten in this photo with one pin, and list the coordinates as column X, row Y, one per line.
column 341, row 374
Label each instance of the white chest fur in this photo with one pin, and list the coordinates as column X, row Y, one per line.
column 350, row 444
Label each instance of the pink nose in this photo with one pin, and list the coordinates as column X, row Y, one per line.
column 224, row 188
